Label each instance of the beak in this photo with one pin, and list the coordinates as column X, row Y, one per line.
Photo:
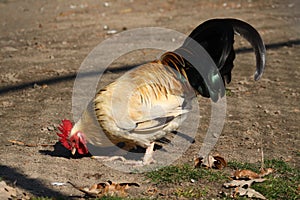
column 73, row 150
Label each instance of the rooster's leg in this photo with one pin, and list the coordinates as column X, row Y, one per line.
column 109, row 158
column 148, row 157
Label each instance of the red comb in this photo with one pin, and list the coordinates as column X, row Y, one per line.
column 65, row 129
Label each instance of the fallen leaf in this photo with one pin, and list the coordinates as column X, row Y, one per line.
column 242, row 183
column 216, row 162
column 7, row 192
column 249, row 192
column 242, row 188
column 152, row 191
column 108, row 188
column 245, row 174
column 248, row 174
column 220, row 162
column 265, row 172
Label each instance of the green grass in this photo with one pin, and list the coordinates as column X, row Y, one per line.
column 191, row 192
column 228, row 92
column 102, row 198
column 183, row 173
column 282, row 184
column 110, row 198
column 238, row 165
column 181, row 176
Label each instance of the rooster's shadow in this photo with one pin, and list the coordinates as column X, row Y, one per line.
column 61, row 151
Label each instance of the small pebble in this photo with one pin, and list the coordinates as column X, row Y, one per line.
column 110, row 32
column 50, row 128
column 277, row 112
column 266, row 111
column 105, row 27
column 58, row 183
column 9, row 49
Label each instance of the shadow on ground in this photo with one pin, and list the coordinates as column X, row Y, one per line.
column 72, row 76
column 33, row 186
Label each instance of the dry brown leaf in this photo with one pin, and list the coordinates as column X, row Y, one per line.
column 245, row 174
column 7, row 192
column 216, row 162
column 248, row 174
column 249, row 192
column 198, row 162
column 220, row 162
column 242, row 188
column 265, row 172
column 152, row 191
column 242, row 183
column 108, row 188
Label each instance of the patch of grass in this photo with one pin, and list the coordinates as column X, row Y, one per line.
column 282, row 184
column 280, row 166
column 49, row 198
column 238, row 165
column 191, row 192
column 228, row 92
column 110, row 198
column 102, row 198
column 181, row 176
column 183, row 173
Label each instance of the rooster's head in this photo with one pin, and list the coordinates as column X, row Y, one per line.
column 74, row 142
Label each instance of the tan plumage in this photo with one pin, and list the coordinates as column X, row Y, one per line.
column 152, row 100
column 140, row 107
column 150, row 104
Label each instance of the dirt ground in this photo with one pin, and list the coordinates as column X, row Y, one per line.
column 43, row 43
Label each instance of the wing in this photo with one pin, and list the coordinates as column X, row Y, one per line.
column 143, row 101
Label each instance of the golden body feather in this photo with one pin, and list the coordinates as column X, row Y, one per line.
column 143, row 105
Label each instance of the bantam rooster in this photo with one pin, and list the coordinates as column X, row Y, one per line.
column 148, row 102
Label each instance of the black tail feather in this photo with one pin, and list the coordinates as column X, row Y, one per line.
column 216, row 36
column 252, row 36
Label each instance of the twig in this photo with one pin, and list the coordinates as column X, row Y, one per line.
column 20, row 143
column 262, row 166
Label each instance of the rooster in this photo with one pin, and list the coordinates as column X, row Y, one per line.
column 148, row 102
